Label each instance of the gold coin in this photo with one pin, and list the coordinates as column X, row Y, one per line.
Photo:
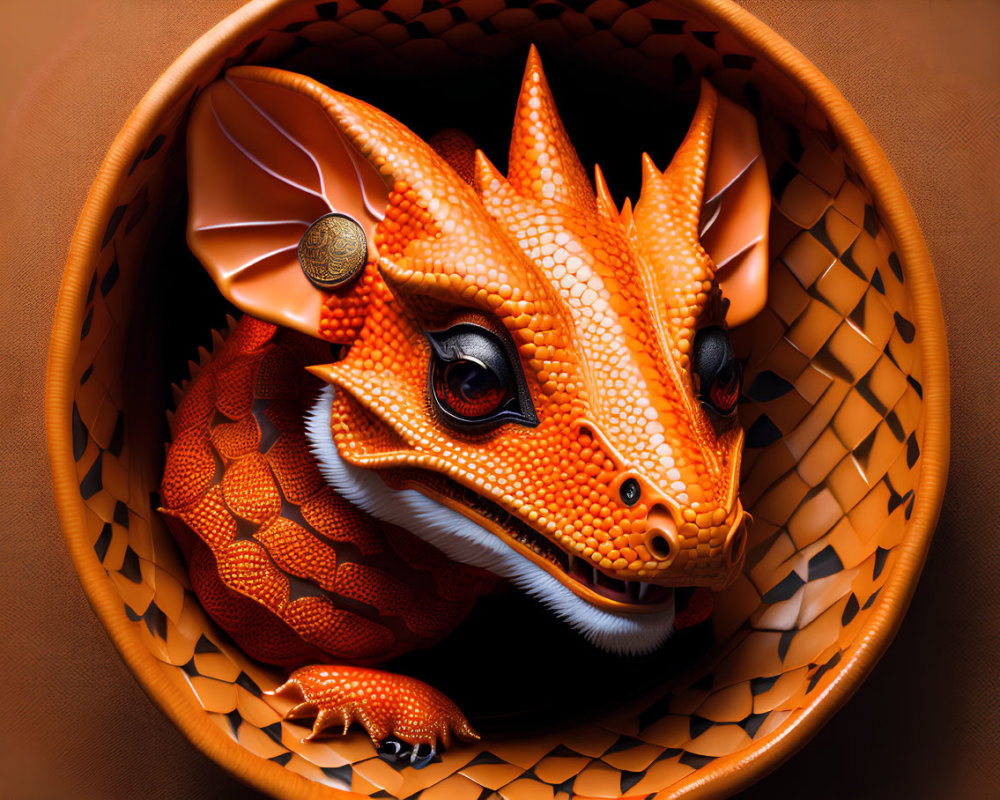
column 333, row 251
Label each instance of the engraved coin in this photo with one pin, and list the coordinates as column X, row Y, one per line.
column 333, row 251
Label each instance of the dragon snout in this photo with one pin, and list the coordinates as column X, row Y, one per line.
column 692, row 554
column 689, row 546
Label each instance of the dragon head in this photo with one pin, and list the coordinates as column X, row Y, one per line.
column 536, row 382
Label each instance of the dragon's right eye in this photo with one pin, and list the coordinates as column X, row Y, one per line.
column 470, row 389
column 717, row 370
column 475, row 381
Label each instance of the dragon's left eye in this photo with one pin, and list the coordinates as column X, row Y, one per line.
column 717, row 370
column 475, row 381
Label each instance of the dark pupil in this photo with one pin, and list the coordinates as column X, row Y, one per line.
column 470, row 381
column 471, row 390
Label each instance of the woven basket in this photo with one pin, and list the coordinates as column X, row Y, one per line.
column 846, row 410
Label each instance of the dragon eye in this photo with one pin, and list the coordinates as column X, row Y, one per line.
column 475, row 381
column 717, row 370
column 469, row 389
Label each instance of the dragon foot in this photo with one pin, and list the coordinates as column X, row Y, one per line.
column 405, row 718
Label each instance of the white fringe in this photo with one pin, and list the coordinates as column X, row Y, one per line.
column 462, row 540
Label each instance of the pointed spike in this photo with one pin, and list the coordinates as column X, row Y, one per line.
column 540, row 140
column 230, row 322
column 626, row 212
column 669, row 209
column 203, row 357
column 684, row 178
column 177, row 393
column 193, row 369
column 217, row 341
column 487, row 178
column 604, row 199
column 650, row 172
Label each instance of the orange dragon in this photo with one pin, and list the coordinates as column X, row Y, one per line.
column 519, row 381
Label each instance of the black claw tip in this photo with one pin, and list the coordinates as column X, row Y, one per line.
column 422, row 755
column 394, row 751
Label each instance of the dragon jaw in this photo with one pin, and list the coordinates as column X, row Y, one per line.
column 461, row 539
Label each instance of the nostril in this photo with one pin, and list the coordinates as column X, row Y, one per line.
column 659, row 545
column 661, row 534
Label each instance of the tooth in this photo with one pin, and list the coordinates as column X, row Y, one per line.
column 643, row 589
column 593, row 577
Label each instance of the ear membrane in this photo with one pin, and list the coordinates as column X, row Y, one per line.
column 736, row 210
column 265, row 162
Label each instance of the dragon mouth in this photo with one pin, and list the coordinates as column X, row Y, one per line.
column 576, row 573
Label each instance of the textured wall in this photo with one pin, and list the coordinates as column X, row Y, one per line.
column 924, row 77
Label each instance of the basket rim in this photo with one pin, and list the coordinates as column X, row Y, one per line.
column 726, row 774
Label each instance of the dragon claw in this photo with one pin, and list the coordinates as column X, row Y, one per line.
column 405, row 718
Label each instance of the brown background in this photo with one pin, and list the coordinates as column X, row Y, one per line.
column 924, row 76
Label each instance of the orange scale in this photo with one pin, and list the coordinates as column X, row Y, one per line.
column 294, row 467
column 255, row 629
column 245, row 567
column 278, row 375
column 235, row 383
column 337, row 632
column 374, row 587
column 336, row 519
column 249, row 335
column 189, row 469
column 210, row 519
column 300, row 553
column 249, row 489
column 198, row 405
column 235, row 439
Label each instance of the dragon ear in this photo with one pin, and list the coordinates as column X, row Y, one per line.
column 715, row 192
column 266, row 159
